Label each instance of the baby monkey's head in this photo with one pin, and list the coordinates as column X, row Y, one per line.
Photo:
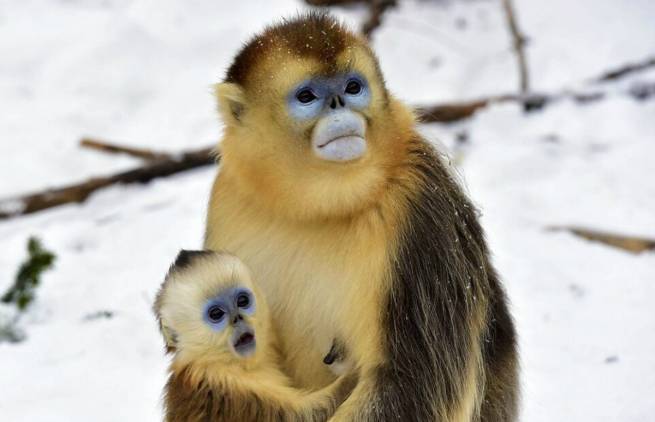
column 209, row 308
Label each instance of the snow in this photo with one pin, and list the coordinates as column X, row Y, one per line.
column 140, row 71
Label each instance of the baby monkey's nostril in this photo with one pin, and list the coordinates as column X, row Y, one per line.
column 333, row 103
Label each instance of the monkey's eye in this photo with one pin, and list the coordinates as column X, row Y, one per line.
column 215, row 313
column 306, row 96
column 243, row 300
column 353, row 87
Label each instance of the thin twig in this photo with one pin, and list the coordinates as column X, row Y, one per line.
column 120, row 149
column 453, row 112
column 518, row 43
column 625, row 70
column 631, row 244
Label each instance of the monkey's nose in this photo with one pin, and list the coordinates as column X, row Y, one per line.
column 237, row 318
column 337, row 101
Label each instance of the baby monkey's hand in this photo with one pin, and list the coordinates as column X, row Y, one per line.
column 336, row 358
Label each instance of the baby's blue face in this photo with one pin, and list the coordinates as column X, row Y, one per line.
column 229, row 309
column 333, row 107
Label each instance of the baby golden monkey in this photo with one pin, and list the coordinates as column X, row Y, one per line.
column 225, row 364
column 358, row 231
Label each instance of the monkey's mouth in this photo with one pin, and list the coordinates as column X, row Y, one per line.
column 244, row 340
column 342, row 148
column 339, row 136
column 244, row 343
column 342, row 139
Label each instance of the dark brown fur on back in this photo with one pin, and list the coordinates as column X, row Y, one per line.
column 442, row 283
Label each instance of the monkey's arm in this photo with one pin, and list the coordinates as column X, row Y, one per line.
column 252, row 400
column 294, row 405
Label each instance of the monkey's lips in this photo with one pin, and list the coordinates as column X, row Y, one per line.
column 340, row 136
column 342, row 148
column 244, row 343
column 244, row 340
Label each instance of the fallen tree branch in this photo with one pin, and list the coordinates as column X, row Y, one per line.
column 518, row 44
column 163, row 164
column 79, row 192
column 144, row 154
column 627, row 243
column 625, row 70
column 453, row 112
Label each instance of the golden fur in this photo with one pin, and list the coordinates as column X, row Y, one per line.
column 325, row 239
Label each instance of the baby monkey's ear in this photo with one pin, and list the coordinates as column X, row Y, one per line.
column 231, row 102
column 170, row 338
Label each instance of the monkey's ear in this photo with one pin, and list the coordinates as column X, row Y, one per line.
column 231, row 102
column 170, row 338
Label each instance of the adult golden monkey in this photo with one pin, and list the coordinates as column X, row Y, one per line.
column 358, row 232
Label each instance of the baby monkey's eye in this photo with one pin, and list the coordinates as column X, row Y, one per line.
column 243, row 300
column 306, row 96
column 353, row 87
column 215, row 313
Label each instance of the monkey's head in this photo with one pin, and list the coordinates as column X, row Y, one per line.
column 309, row 124
column 209, row 309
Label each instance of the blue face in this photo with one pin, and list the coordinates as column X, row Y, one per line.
column 229, row 307
column 313, row 97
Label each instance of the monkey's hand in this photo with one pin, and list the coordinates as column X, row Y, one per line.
column 336, row 359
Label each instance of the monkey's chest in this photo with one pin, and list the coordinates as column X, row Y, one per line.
column 321, row 285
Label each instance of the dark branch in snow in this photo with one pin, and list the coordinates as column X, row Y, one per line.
column 164, row 164
column 518, row 43
column 79, row 192
column 625, row 70
column 627, row 243
column 453, row 112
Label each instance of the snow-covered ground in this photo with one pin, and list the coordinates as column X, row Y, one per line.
column 139, row 71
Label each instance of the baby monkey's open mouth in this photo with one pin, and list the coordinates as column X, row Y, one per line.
column 244, row 340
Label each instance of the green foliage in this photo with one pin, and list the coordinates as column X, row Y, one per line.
column 29, row 275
